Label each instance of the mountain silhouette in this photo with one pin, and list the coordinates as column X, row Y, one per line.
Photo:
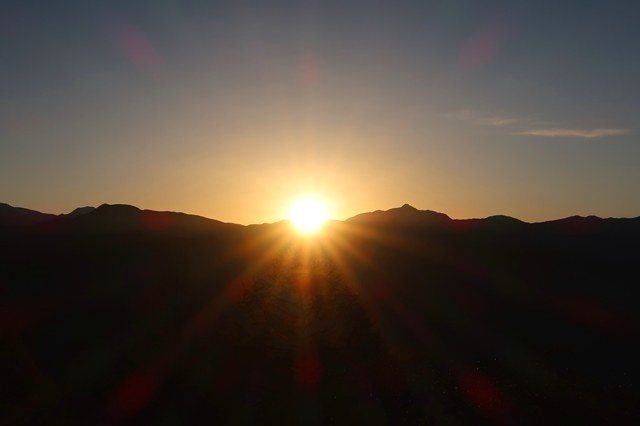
column 80, row 211
column 127, row 218
column 15, row 218
column 587, row 225
column 405, row 215
column 107, row 218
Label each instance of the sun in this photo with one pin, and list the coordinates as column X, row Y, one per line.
column 308, row 215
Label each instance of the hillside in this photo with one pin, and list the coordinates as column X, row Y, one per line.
column 124, row 316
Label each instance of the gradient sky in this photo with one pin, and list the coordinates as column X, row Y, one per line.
column 231, row 109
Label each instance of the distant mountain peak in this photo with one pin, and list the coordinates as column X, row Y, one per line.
column 79, row 211
column 407, row 214
column 106, row 206
column 503, row 218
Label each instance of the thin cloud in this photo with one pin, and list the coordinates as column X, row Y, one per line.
column 573, row 133
column 483, row 120
column 536, row 127
column 496, row 121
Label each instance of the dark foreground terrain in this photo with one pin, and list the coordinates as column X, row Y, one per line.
column 115, row 316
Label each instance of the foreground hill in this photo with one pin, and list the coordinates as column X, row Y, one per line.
column 396, row 317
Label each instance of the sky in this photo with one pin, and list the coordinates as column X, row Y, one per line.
column 232, row 109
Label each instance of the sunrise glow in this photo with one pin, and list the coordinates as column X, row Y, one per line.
column 308, row 215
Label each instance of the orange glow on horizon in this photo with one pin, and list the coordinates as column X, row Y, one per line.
column 308, row 215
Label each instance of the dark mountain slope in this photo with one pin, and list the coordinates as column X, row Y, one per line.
column 107, row 219
column 124, row 218
column 80, row 211
column 405, row 215
column 382, row 321
column 13, row 218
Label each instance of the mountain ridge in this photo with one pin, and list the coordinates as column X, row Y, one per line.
column 106, row 218
column 111, row 217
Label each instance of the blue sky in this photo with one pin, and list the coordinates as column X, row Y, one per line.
column 232, row 109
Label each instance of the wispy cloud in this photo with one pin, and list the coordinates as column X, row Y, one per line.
column 561, row 132
column 483, row 119
column 496, row 121
column 534, row 127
